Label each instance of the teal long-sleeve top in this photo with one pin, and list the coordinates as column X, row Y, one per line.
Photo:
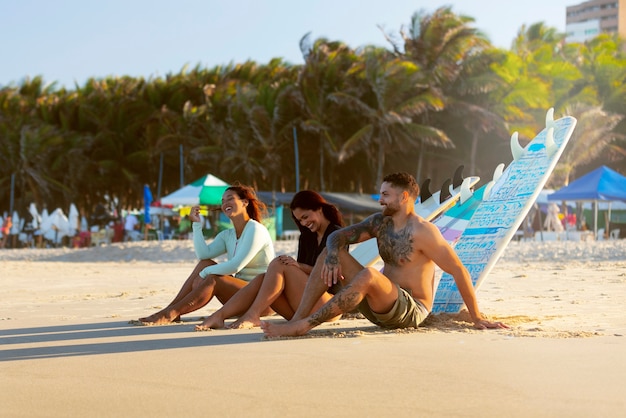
column 247, row 256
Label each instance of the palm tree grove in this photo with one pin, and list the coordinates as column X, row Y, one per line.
column 439, row 96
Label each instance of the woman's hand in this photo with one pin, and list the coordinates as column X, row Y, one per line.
column 194, row 215
column 287, row 260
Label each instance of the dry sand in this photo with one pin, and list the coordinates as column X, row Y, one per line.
column 67, row 350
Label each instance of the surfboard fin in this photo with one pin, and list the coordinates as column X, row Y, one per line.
column 445, row 191
column 497, row 173
column 550, row 118
column 466, row 192
column 516, row 149
column 551, row 146
column 457, row 179
column 425, row 193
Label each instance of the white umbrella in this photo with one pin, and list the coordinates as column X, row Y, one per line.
column 74, row 220
column 56, row 226
column 84, row 225
column 16, row 228
column 44, row 215
column 32, row 209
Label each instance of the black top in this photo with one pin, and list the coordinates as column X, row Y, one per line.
column 308, row 250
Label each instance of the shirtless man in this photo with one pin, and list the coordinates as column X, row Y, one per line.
column 402, row 296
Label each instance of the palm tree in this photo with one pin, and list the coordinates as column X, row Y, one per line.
column 30, row 148
column 602, row 66
column 593, row 134
column 323, row 73
column 389, row 98
column 442, row 44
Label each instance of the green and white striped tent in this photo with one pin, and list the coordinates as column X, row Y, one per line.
column 207, row 190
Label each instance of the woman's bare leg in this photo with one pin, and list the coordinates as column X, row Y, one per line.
column 222, row 287
column 182, row 293
column 270, row 290
column 235, row 306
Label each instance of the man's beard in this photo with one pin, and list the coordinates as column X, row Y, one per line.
column 389, row 210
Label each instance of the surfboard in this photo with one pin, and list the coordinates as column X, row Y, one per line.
column 497, row 218
column 453, row 222
column 429, row 207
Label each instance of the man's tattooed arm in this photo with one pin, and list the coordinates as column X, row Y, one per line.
column 362, row 231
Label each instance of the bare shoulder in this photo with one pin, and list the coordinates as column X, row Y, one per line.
column 425, row 232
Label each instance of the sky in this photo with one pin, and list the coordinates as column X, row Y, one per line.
column 69, row 41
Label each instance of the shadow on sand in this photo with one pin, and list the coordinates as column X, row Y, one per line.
column 82, row 339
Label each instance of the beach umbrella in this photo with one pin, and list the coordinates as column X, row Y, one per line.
column 32, row 209
column 56, row 226
column 44, row 216
column 74, row 220
column 16, row 228
column 206, row 190
column 147, row 201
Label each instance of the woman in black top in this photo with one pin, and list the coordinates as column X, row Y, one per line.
column 282, row 285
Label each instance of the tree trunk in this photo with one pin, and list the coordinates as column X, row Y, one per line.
column 322, row 188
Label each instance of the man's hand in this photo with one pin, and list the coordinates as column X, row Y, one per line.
column 331, row 270
column 484, row 324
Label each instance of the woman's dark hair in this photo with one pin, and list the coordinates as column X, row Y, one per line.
column 256, row 209
column 310, row 200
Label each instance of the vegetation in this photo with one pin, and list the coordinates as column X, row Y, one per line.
column 438, row 97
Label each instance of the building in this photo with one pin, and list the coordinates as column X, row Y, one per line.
column 587, row 20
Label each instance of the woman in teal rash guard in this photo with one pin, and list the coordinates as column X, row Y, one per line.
column 282, row 286
column 248, row 246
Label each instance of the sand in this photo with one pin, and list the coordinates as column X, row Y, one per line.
column 67, row 349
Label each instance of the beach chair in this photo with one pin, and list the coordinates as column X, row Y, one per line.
column 614, row 234
column 103, row 236
column 600, row 235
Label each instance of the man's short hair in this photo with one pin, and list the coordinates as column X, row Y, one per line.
column 404, row 181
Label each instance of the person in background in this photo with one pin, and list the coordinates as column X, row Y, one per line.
column 7, row 224
column 248, row 247
column 184, row 226
column 282, row 286
column 131, row 225
column 118, row 231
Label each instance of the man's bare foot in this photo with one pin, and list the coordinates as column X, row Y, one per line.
column 246, row 322
column 286, row 329
column 212, row 322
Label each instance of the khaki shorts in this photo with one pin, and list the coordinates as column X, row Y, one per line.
column 405, row 313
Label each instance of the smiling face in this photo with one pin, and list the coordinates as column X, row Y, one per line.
column 390, row 199
column 232, row 205
column 311, row 219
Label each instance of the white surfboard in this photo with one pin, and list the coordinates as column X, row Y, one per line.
column 452, row 223
column 498, row 217
column 366, row 253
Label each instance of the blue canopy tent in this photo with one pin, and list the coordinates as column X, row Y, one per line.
column 602, row 184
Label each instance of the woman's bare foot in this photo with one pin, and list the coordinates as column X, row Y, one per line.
column 287, row 329
column 246, row 322
column 212, row 322
column 159, row 318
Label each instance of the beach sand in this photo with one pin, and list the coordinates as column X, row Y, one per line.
column 67, row 348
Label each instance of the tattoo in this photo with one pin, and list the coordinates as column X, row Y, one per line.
column 395, row 248
column 350, row 235
column 332, row 259
column 344, row 301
